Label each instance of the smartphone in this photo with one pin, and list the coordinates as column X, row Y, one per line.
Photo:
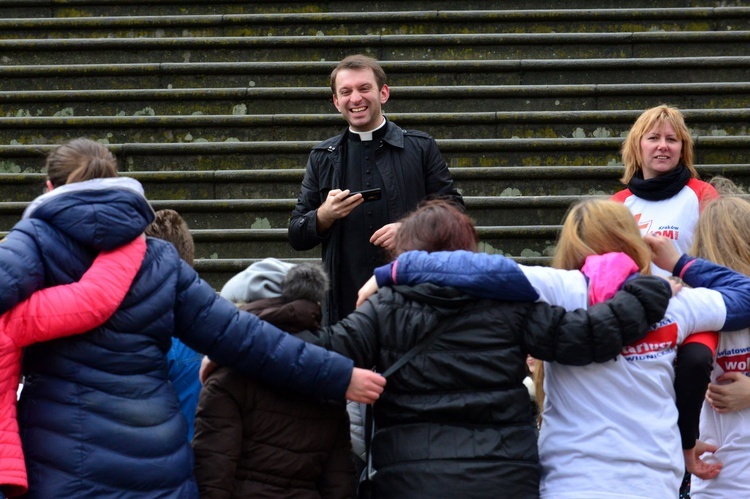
column 368, row 194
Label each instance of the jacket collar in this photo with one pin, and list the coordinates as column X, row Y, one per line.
column 394, row 136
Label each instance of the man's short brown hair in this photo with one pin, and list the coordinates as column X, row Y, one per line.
column 359, row 61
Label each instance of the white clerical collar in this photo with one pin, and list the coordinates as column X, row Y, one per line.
column 365, row 136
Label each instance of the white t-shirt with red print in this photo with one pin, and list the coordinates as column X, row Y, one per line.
column 674, row 218
column 729, row 432
column 610, row 430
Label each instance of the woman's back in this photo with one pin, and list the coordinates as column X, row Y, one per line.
column 102, row 400
column 456, row 419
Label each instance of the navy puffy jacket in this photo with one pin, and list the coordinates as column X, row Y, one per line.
column 98, row 416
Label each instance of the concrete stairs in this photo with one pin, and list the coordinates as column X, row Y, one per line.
column 214, row 106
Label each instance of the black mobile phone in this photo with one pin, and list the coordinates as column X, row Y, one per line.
column 368, row 194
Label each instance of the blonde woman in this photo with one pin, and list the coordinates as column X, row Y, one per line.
column 665, row 196
column 663, row 191
column 614, row 422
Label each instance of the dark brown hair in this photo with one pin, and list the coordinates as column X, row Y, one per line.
column 359, row 61
column 79, row 160
column 437, row 225
column 171, row 227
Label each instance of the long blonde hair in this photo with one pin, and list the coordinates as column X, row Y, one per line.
column 722, row 234
column 597, row 226
column 631, row 148
column 594, row 227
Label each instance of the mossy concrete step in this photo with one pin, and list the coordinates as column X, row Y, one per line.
column 239, row 74
column 226, row 214
column 383, row 23
column 83, row 8
column 457, row 152
column 534, row 240
column 280, row 184
column 486, row 125
column 385, row 47
column 264, row 214
column 418, row 99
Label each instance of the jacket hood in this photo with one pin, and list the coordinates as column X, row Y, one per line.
column 606, row 274
column 261, row 280
column 101, row 213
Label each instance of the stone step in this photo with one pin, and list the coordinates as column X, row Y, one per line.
column 264, row 215
column 482, row 125
column 457, row 152
column 382, row 23
column 223, row 214
column 531, row 240
column 99, row 8
column 400, row 73
column 285, row 184
column 385, row 47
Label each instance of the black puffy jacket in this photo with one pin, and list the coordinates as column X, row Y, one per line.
column 455, row 420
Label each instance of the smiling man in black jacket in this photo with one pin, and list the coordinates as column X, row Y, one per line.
column 372, row 153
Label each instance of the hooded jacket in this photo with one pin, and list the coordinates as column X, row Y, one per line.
column 48, row 314
column 98, row 417
column 455, row 420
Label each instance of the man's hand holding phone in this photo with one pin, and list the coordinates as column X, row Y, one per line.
column 338, row 204
column 368, row 194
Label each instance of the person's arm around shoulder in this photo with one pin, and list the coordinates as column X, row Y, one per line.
column 215, row 327
column 700, row 273
column 81, row 306
column 479, row 274
column 598, row 334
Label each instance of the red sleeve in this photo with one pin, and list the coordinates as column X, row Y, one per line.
column 703, row 190
column 81, row 306
column 621, row 196
column 708, row 338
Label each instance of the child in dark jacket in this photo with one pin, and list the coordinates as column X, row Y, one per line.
column 255, row 441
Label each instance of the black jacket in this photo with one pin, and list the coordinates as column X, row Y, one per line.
column 455, row 421
column 412, row 169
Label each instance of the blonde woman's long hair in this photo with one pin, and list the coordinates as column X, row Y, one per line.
column 597, row 226
column 722, row 234
column 594, row 227
column 631, row 149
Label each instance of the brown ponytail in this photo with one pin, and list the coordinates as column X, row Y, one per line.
column 79, row 160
